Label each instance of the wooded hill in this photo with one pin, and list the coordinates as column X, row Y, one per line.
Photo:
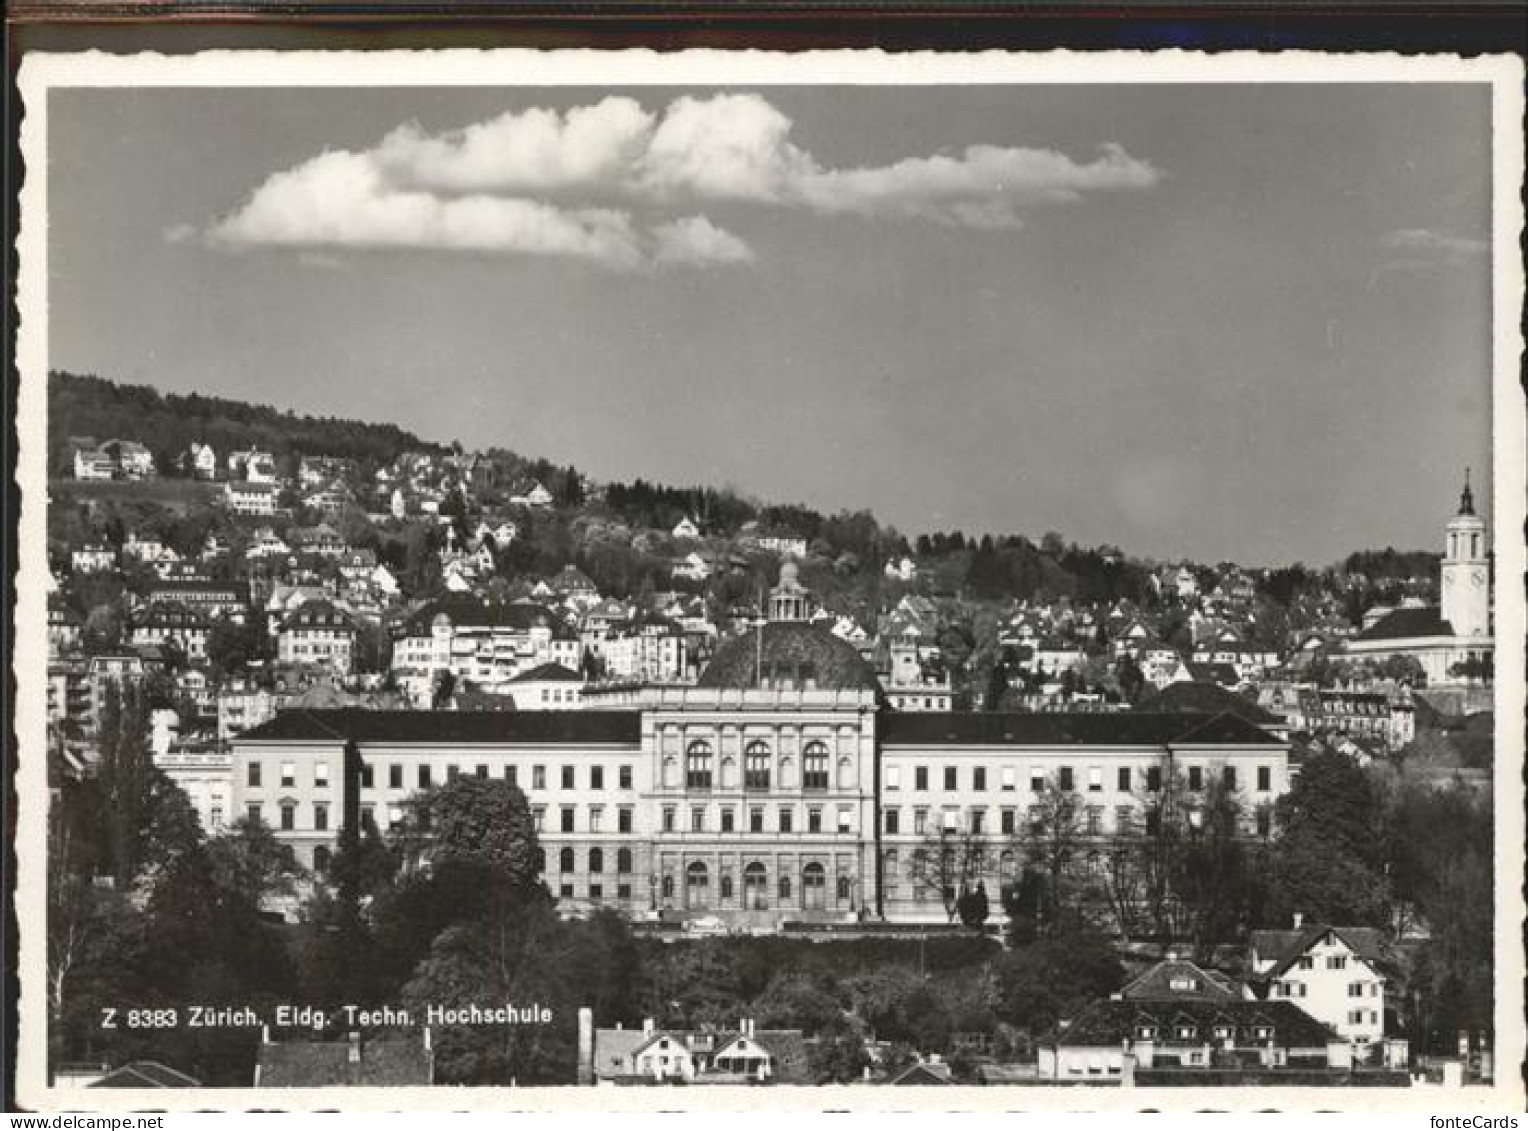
column 168, row 423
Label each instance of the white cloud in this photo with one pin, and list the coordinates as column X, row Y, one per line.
column 179, row 233
column 600, row 182
column 696, row 242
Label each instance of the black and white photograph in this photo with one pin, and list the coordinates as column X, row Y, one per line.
column 751, row 580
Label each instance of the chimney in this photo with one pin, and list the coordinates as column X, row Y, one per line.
column 585, row 1046
column 1299, row 919
column 647, row 1026
column 355, row 1047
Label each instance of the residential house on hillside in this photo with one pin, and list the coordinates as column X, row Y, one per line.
column 482, row 642
column 1336, row 974
column 174, row 625
column 252, row 466
column 654, row 1055
column 203, row 460
column 133, row 460
column 93, row 557
column 685, row 528
column 532, row 494
column 323, row 540
column 691, row 567
column 265, row 543
column 94, row 464
column 317, row 631
column 212, row 598
column 546, row 687
column 1178, row 1015
column 331, row 497
column 250, row 497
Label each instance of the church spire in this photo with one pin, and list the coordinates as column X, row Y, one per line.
column 1466, row 497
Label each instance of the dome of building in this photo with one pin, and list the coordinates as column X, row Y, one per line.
column 791, row 655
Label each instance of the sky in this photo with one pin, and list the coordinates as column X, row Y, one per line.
column 1242, row 322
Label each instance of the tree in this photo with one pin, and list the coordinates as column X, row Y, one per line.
column 838, row 1055
column 1049, row 843
column 232, row 645
column 951, row 862
column 1055, row 976
column 972, row 907
column 125, row 778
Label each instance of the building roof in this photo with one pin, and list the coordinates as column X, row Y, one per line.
column 995, row 728
column 1176, row 979
column 1112, row 1022
column 923, row 1073
column 466, row 611
column 1284, row 948
column 1426, row 620
column 383, row 1061
column 792, row 651
column 1209, row 699
column 538, row 727
column 146, row 1074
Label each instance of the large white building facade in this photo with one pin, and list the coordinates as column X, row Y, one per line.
column 779, row 789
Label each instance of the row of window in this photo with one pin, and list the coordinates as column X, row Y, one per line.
column 424, row 775
column 785, row 819
column 1126, row 778
column 758, row 765
column 287, row 815
column 1090, row 821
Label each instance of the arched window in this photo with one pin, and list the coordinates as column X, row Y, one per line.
column 623, row 861
column 697, row 766
column 565, row 860
column 728, row 776
column 596, row 860
column 814, row 766
column 846, row 772
column 814, row 882
column 756, row 764
column 320, row 860
column 697, row 883
column 755, row 887
column 671, row 772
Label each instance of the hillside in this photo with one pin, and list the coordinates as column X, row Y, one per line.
column 167, row 424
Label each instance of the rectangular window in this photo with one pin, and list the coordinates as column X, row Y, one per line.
column 1264, row 779
column 625, row 777
column 565, row 891
column 539, row 814
column 814, row 820
column 845, row 818
column 1263, row 822
column 1195, row 779
column 668, row 818
column 1095, row 817
column 1036, row 781
column 1228, row 777
column 1154, row 779
column 567, row 777
column 252, row 775
column 1336, row 962
column 596, row 818
column 321, row 817
column 893, row 819
column 756, row 820
column 596, row 891
column 566, row 821
column 893, row 777
column 288, row 775
column 424, row 777
column 482, row 770
column 950, row 819
column 395, row 776
column 1009, row 821
column 1008, row 778
column 920, row 821
column 920, row 778
column 697, row 820
column 1065, row 776
column 596, row 777
column 252, row 814
column 726, row 820
column 1307, row 962
column 1122, row 779
column 1095, row 780
column 288, row 818
column 1124, row 818
column 1355, row 989
column 623, row 891
column 979, row 778
column 950, row 778
column 978, row 821
column 538, row 777
column 321, row 775
column 787, row 820
column 453, row 772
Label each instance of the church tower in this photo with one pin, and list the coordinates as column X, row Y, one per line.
column 1466, row 572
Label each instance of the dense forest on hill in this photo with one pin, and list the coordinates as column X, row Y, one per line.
column 168, row 423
